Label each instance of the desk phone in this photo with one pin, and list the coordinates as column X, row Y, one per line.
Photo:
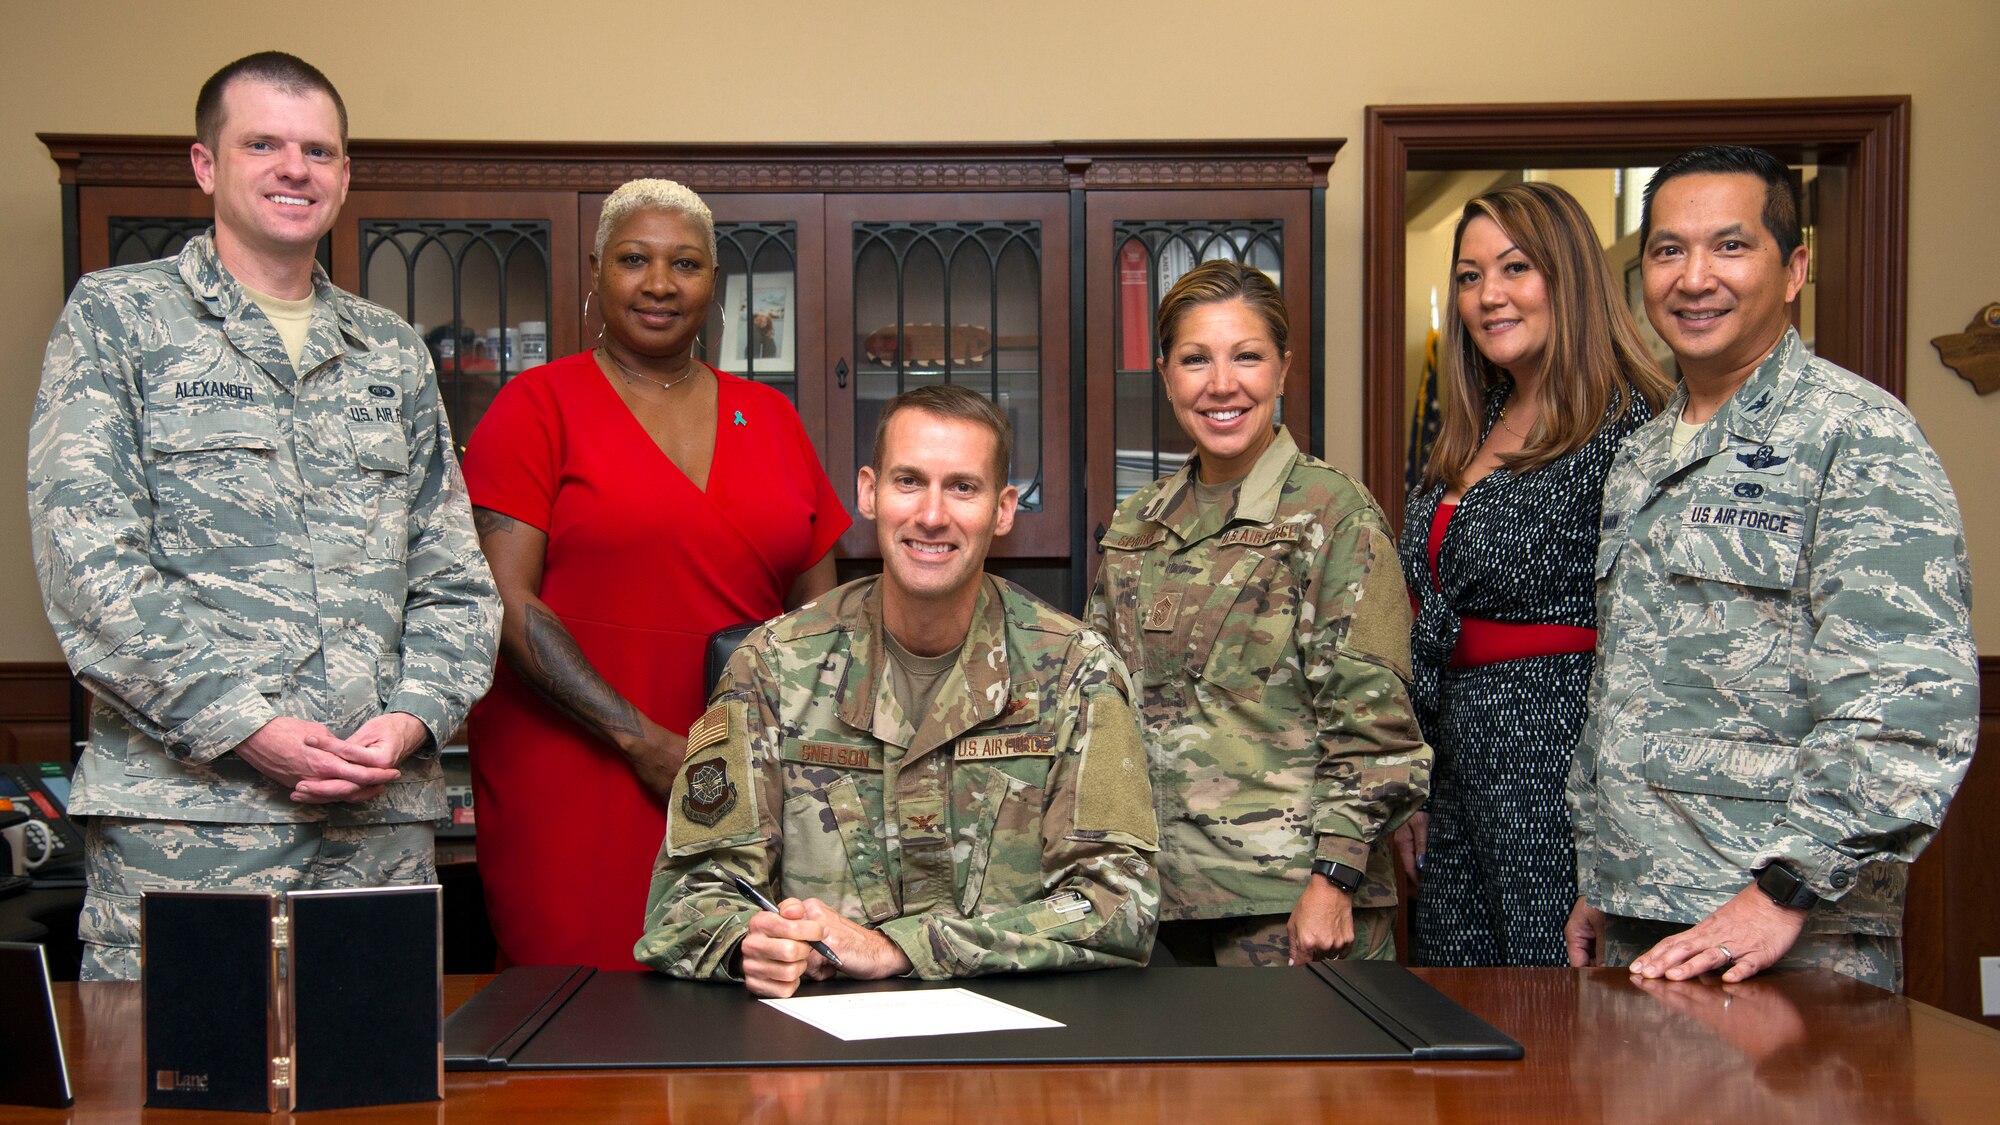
column 41, row 789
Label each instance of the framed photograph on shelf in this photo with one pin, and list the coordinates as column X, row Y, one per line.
column 761, row 332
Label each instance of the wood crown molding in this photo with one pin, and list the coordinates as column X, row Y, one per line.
column 155, row 161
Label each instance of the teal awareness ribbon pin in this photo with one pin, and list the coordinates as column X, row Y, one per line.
column 739, row 419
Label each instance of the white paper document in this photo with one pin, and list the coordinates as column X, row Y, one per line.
column 892, row 1015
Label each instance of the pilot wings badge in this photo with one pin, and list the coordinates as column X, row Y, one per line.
column 1763, row 458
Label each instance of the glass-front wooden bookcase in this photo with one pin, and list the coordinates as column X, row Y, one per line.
column 849, row 272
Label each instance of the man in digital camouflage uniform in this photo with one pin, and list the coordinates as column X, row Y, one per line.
column 1785, row 696
column 253, row 542
column 932, row 772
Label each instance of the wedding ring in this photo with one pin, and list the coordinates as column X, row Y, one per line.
column 1726, row 955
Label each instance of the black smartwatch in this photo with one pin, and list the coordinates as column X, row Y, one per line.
column 1339, row 874
column 1785, row 887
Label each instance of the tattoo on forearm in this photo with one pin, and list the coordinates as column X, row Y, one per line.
column 486, row 521
column 557, row 667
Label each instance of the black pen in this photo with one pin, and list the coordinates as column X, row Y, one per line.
column 757, row 896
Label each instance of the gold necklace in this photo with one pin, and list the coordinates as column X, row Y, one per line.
column 661, row 383
column 1502, row 419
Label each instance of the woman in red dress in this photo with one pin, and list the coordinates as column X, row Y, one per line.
column 631, row 500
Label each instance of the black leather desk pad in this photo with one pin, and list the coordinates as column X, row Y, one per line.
column 1349, row 1010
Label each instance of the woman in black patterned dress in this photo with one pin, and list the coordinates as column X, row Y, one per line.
column 1544, row 374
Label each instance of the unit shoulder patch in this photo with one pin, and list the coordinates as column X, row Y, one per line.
column 711, row 794
column 710, row 802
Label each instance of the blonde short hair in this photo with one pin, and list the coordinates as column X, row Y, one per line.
column 664, row 195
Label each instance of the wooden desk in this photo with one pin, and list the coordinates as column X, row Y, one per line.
column 1808, row 1047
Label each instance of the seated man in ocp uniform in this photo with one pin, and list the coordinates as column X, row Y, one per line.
column 933, row 773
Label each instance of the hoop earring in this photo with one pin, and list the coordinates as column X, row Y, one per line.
column 586, row 316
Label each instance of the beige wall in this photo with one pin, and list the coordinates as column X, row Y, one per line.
column 865, row 70
column 1429, row 226
column 1595, row 189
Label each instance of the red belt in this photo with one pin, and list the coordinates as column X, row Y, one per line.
column 1489, row 642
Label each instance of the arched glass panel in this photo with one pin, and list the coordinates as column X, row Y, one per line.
column 1150, row 257
column 752, row 327
column 142, row 239
column 953, row 302
column 478, row 291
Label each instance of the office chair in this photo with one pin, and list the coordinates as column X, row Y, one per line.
column 721, row 645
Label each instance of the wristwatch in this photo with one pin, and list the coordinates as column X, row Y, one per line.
column 1785, row 887
column 1339, row 874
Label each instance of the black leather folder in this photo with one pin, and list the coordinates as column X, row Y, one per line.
column 304, row 1000
column 569, row 1018
column 486, row 1031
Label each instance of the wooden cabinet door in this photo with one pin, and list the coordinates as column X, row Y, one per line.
column 485, row 276
column 769, row 319
column 1138, row 243
column 972, row 289
column 120, row 226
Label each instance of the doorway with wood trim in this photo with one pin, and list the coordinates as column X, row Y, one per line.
column 1857, row 149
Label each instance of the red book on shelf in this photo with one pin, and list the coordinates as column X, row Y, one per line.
column 1135, row 312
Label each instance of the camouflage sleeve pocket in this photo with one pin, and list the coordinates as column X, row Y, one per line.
column 1114, row 788
column 1058, row 910
column 1607, row 553
column 1380, row 629
column 389, row 680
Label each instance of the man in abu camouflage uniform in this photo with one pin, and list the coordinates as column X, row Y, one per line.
column 1785, row 696
column 938, row 775
column 253, row 541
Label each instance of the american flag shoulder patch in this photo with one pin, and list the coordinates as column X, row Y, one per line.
column 711, row 728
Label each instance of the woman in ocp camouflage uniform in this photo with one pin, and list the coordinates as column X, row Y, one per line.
column 1256, row 597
